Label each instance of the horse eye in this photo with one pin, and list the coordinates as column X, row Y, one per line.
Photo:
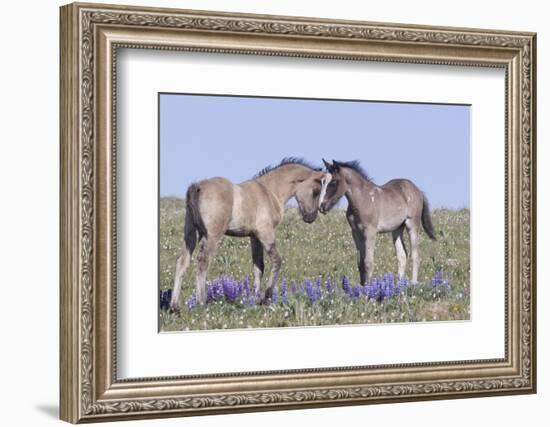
column 316, row 193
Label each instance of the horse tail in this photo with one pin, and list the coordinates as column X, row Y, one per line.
column 193, row 212
column 426, row 218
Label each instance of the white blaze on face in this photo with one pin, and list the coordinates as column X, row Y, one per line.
column 324, row 183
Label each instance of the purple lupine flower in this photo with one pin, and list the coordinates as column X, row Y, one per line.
column 228, row 287
column 209, row 292
column 446, row 282
column 274, row 295
column 191, row 301
column 368, row 289
column 217, row 290
column 239, row 290
column 439, row 280
column 246, row 287
column 402, row 284
column 357, row 291
column 284, row 292
column 375, row 288
column 387, row 290
column 294, row 287
column 346, row 286
column 328, row 286
column 318, row 282
column 309, row 289
column 312, row 291
column 318, row 289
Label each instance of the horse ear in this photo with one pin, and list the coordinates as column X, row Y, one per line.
column 327, row 165
column 335, row 165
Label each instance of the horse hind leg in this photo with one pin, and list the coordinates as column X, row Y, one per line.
column 207, row 249
column 183, row 261
column 400, row 251
column 413, row 229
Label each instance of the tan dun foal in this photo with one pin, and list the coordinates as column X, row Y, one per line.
column 254, row 208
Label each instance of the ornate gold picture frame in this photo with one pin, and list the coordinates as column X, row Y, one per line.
column 91, row 36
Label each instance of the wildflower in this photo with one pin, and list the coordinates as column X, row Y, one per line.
column 274, row 295
column 388, row 279
column 373, row 289
column 387, row 289
column 439, row 284
column 246, row 287
column 284, row 292
column 402, row 284
column 228, row 288
column 311, row 291
column 318, row 287
column 191, row 302
column 346, row 286
column 439, row 280
column 209, row 292
column 217, row 290
column 328, row 286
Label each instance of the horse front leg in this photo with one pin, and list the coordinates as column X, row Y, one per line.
column 257, row 261
column 370, row 240
column 360, row 244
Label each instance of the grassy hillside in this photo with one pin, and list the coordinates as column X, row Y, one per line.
column 320, row 251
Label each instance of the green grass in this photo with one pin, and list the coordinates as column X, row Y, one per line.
column 324, row 248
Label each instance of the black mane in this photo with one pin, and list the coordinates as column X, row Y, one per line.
column 356, row 166
column 287, row 161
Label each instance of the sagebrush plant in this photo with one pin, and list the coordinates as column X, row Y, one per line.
column 319, row 284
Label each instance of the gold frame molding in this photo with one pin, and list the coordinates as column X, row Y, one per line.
column 90, row 36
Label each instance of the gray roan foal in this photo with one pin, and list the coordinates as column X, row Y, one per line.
column 372, row 209
column 254, row 208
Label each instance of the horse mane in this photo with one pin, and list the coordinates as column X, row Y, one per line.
column 287, row 161
column 356, row 166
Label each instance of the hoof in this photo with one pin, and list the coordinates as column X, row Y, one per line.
column 174, row 309
column 265, row 301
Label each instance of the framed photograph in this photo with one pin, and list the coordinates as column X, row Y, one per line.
column 267, row 212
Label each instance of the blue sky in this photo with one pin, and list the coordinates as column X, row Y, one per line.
column 235, row 137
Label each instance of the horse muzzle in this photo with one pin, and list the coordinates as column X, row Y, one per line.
column 309, row 218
